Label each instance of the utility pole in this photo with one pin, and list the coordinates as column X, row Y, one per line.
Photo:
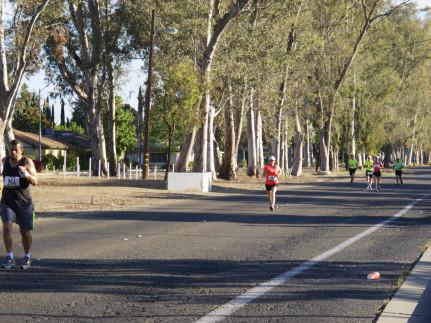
column 40, row 128
column 148, row 100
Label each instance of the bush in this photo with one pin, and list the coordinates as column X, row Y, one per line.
column 50, row 161
column 190, row 165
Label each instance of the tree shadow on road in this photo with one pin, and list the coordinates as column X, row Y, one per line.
column 194, row 287
column 192, row 281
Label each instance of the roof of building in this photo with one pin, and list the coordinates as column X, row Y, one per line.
column 73, row 140
column 33, row 140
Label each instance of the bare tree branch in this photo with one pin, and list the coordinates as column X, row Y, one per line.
column 390, row 10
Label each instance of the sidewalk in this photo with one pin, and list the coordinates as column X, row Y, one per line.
column 412, row 302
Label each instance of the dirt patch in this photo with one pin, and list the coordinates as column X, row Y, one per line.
column 73, row 194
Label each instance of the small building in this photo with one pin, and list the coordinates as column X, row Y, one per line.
column 157, row 155
column 73, row 140
column 49, row 146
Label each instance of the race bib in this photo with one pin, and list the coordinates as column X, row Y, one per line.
column 11, row 181
column 272, row 178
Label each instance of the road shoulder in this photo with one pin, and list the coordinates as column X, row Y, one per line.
column 412, row 302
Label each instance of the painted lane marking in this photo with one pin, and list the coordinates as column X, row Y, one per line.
column 238, row 302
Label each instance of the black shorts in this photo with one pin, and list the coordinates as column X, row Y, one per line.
column 377, row 174
column 398, row 172
column 369, row 173
column 24, row 217
column 269, row 187
column 352, row 171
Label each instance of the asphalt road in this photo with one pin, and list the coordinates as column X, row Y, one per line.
column 182, row 261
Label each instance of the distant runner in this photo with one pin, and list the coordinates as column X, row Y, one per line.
column 398, row 167
column 272, row 173
column 377, row 173
column 352, row 164
column 368, row 165
column 16, row 202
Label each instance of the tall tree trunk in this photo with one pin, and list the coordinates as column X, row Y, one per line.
column 200, row 155
column 112, row 142
column 227, row 170
column 96, row 132
column 9, row 131
column 299, row 141
column 360, row 162
column 259, row 143
column 307, row 144
column 186, row 150
column 336, row 160
column 168, row 159
column 251, row 138
column 417, row 157
column 353, row 133
column 278, row 117
column 285, row 165
column 324, row 153
column 218, row 158
column 411, row 151
column 211, row 163
column 240, row 123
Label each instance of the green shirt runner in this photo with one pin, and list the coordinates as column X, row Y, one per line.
column 352, row 163
column 398, row 165
column 368, row 165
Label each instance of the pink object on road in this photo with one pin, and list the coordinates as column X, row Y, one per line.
column 375, row 275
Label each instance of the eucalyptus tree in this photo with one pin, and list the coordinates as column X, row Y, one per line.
column 201, row 25
column 338, row 48
column 395, row 54
column 241, row 67
column 76, row 52
column 218, row 17
column 20, row 39
column 176, row 99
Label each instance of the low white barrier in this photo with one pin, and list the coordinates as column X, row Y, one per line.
column 181, row 182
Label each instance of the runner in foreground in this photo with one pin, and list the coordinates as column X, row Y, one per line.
column 352, row 164
column 368, row 165
column 16, row 203
column 272, row 173
column 398, row 167
column 377, row 173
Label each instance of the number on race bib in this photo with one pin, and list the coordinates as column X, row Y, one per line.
column 11, row 181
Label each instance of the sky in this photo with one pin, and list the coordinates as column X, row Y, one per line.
column 129, row 84
column 423, row 3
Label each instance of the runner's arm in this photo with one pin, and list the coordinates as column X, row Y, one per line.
column 31, row 172
column 2, row 165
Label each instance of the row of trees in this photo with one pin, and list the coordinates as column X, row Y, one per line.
column 326, row 77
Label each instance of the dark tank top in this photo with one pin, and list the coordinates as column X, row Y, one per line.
column 16, row 190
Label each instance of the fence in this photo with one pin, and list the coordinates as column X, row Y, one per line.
column 123, row 171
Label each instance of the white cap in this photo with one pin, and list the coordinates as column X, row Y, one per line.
column 271, row 158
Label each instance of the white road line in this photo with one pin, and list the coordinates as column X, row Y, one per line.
column 234, row 305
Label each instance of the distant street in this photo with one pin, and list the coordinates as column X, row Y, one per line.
column 178, row 263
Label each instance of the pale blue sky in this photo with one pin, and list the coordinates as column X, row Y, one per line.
column 130, row 83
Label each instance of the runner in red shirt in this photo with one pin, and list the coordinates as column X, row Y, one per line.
column 377, row 173
column 272, row 173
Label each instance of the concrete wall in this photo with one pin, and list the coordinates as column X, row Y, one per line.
column 182, row 182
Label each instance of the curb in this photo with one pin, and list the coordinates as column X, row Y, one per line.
column 412, row 302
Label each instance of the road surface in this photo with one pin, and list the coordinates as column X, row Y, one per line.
column 182, row 262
